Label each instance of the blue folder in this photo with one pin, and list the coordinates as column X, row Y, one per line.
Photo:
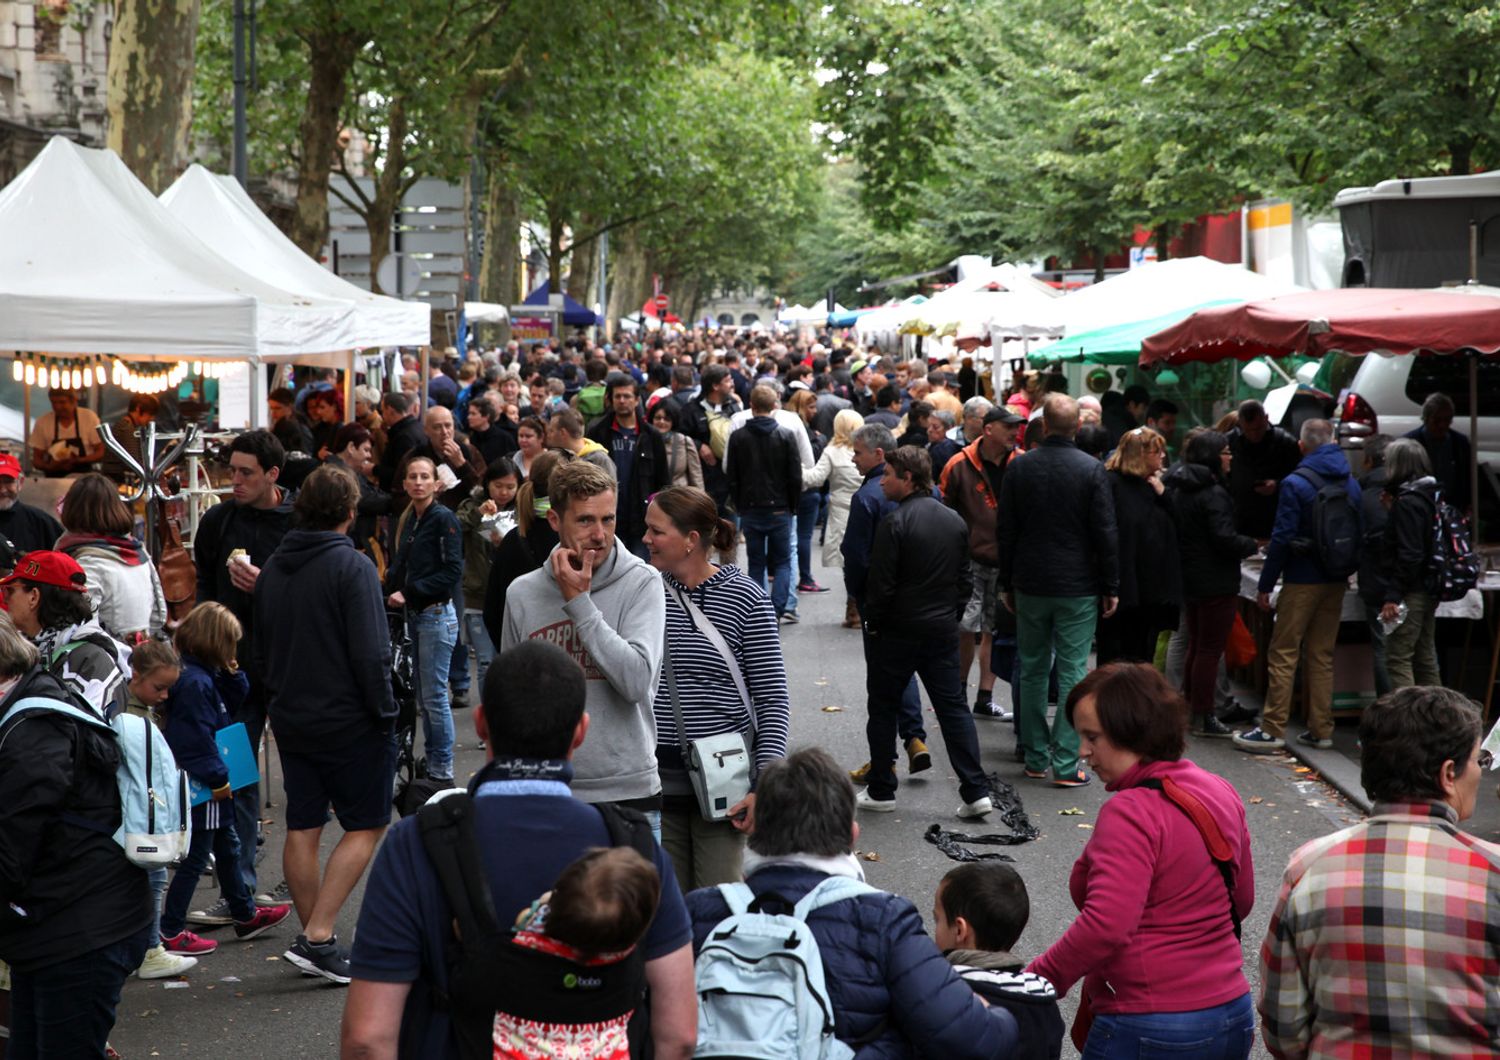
column 234, row 749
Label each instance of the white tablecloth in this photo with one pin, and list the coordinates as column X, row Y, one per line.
column 1471, row 606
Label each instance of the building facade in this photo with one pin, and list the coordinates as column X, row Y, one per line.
column 54, row 58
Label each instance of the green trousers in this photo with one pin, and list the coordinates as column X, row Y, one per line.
column 1046, row 626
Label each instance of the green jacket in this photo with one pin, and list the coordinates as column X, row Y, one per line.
column 478, row 552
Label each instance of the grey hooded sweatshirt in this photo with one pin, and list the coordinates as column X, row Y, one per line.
column 616, row 631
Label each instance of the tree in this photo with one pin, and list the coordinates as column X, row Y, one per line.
column 149, row 100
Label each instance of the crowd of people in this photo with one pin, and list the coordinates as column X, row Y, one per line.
column 554, row 531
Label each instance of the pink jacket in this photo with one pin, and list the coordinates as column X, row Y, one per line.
column 1154, row 933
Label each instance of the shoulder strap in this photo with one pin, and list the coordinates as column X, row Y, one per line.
column 1309, row 475
column 447, row 830
column 1208, row 827
column 737, row 896
column 830, row 891
column 57, row 706
column 705, row 626
column 628, row 828
column 671, row 675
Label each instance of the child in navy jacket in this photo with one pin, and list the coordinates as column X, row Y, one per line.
column 208, row 691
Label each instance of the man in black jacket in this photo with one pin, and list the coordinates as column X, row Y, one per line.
column 765, row 483
column 639, row 456
column 1263, row 455
column 75, row 915
column 319, row 599
column 402, row 434
column 1059, row 561
column 252, row 524
column 918, row 587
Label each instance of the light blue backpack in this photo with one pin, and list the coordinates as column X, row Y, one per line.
column 155, row 811
column 759, row 976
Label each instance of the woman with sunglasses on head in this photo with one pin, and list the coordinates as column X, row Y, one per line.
column 1150, row 580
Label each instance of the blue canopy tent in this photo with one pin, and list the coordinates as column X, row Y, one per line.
column 574, row 314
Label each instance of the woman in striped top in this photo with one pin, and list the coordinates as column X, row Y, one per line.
column 682, row 527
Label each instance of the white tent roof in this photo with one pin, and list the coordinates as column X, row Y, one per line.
column 971, row 302
column 91, row 262
column 1155, row 290
column 485, row 313
column 219, row 212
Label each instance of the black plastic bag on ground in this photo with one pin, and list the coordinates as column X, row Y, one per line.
column 1007, row 802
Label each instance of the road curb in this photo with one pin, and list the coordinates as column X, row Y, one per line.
column 1334, row 768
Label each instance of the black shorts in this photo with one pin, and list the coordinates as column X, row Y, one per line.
column 355, row 780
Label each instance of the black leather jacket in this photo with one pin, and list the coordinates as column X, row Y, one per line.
column 920, row 578
column 1057, row 524
column 1209, row 546
column 764, row 468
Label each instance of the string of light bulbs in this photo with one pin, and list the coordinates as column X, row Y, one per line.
column 75, row 373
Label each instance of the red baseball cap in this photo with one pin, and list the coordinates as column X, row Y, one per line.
column 49, row 568
column 10, row 467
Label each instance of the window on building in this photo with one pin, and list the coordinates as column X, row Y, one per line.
column 47, row 30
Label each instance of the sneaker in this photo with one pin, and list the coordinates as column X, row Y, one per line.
column 860, row 775
column 810, row 587
column 918, row 757
column 159, row 964
column 789, row 618
column 1307, row 739
column 865, row 801
column 1077, row 780
column 216, row 915
column 1213, row 728
column 265, row 918
column 323, row 959
column 281, row 894
column 978, row 808
column 1035, row 774
column 988, row 708
column 185, row 942
column 1236, row 713
column 458, row 700
column 1257, row 741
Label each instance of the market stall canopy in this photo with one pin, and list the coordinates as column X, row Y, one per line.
column 995, row 299
column 574, row 314
column 219, row 212
column 1119, row 344
column 816, row 315
column 1156, row 291
column 485, row 313
column 1355, row 320
column 92, row 263
column 880, row 327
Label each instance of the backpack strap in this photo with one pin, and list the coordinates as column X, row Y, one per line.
column 1208, row 827
column 1311, row 476
column 831, row 891
column 447, row 831
column 628, row 828
column 57, row 706
column 738, row 896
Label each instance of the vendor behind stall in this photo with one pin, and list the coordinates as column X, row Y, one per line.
column 66, row 439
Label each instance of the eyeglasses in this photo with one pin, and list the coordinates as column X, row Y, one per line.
column 1486, row 759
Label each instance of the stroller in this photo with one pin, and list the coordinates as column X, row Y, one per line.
column 413, row 789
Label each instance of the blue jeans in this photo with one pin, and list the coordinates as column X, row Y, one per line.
column 478, row 638
column 434, row 631
column 891, row 661
column 807, row 522
column 67, row 1009
column 224, row 842
column 158, row 878
column 1224, row 1032
column 458, row 667
column 768, row 543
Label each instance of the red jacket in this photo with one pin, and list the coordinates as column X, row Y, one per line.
column 1153, row 933
column 966, row 489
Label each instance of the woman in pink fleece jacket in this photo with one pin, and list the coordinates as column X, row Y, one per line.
column 1156, row 941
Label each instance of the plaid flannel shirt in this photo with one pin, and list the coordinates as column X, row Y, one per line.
column 1385, row 942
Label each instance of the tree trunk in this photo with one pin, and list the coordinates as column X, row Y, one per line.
column 555, row 227
column 631, row 283
column 389, row 185
column 500, row 269
column 330, row 58
column 150, row 92
column 582, row 261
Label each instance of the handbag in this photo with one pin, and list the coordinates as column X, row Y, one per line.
column 720, row 768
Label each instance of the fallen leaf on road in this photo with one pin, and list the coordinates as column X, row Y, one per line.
column 1088, row 826
column 872, row 856
column 833, row 710
column 1256, row 799
column 230, row 979
column 821, row 684
column 1071, row 811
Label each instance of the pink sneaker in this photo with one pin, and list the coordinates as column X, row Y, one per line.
column 190, row 944
column 265, row 918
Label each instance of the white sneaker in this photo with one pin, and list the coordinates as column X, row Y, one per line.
column 865, row 801
column 978, row 808
column 159, row 964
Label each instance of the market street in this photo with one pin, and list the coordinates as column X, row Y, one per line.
column 266, row 1009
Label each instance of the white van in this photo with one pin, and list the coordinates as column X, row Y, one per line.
column 1384, row 395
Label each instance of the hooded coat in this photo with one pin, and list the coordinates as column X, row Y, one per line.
column 1209, row 547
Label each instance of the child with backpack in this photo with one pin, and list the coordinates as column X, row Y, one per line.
column 203, row 701
column 594, row 916
column 978, row 915
column 154, row 669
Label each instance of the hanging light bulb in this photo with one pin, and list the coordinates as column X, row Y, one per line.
column 17, row 370
column 75, row 379
column 55, row 378
column 30, row 374
column 99, row 376
column 116, row 373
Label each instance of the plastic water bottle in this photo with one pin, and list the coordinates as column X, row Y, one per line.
column 1388, row 625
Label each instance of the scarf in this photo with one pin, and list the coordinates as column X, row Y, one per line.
column 838, row 865
column 48, row 641
column 127, row 550
column 541, row 506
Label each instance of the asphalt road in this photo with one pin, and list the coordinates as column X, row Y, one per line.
column 244, row 1001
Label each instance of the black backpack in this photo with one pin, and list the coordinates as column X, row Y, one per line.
column 1453, row 567
column 1336, row 524
column 487, row 974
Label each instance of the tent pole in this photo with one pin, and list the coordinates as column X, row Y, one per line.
column 1474, row 439
column 257, row 394
column 26, row 428
column 349, row 386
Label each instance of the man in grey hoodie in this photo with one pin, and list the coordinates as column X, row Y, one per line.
column 606, row 609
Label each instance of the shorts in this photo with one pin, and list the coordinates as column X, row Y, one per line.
column 356, row 780
column 979, row 615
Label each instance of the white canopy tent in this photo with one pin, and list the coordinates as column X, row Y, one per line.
column 997, row 300
column 1151, row 291
column 219, row 212
column 92, row 263
column 485, row 313
column 881, row 326
column 815, row 315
